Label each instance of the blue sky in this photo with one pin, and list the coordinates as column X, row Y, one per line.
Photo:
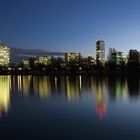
column 70, row 25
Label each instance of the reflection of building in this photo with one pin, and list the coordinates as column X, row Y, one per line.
column 100, row 52
column 73, row 86
column 72, row 57
column 42, row 86
column 100, row 100
column 4, row 94
column 25, row 84
column 4, row 55
column 45, row 60
column 118, row 88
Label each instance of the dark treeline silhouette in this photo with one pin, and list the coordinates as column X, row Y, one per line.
column 55, row 68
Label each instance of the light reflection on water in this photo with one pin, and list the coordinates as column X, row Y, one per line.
column 4, row 94
column 74, row 107
column 71, row 88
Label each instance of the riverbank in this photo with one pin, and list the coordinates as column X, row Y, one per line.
column 65, row 73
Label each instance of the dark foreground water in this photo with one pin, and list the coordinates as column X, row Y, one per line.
column 69, row 108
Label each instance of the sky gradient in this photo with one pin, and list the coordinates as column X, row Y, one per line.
column 70, row 25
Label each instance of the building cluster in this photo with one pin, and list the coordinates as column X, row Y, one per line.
column 73, row 59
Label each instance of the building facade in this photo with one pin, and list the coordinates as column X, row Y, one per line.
column 100, row 52
column 134, row 56
column 26, row 63
column 4, row 55
column 45, row 60
column 116, row 57
column 72, row 58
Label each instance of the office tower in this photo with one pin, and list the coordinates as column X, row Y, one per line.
column 100, row 52
column 4, row 55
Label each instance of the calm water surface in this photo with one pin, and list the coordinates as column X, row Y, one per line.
column 70, row 108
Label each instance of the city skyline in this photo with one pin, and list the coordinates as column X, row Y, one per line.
column 70, row 69
column 70, row 26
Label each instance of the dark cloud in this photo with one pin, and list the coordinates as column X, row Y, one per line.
column 17, row 54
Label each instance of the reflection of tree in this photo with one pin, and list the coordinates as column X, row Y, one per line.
column 100, row 98
column 4, row 94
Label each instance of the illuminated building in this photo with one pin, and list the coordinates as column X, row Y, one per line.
column 25, row 63
column 116, row 57
column 100, row 52
column 4, row 55
column 72, row 58
column 45, row 60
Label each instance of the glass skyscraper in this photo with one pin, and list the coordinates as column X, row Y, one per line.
column 100, row 52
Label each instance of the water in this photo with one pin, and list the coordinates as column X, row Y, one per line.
column 70, row 108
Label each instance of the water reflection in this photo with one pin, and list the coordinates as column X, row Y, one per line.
column 133, row 87
column 4, row 94
column 118, row 88
column 42, row 86
column 71, row 88
column 101, row 97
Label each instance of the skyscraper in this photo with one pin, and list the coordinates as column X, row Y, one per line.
column 100, row 52
column 4, row 55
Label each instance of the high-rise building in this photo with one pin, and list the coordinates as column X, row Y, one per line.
column 100, row 52
column 4, row 55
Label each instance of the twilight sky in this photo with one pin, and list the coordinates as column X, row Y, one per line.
column 70, row 25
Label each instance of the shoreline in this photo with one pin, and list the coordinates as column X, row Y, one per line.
column 69, row 73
